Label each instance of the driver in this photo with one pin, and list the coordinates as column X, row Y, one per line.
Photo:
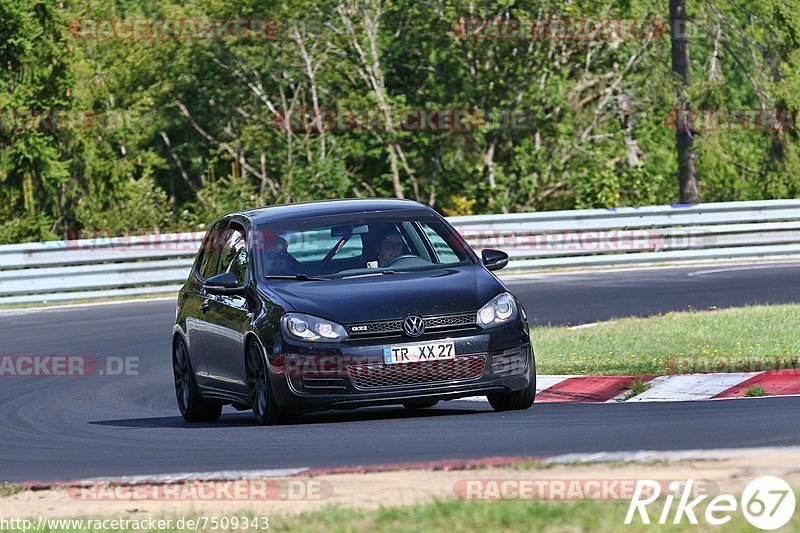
column 389, row 248
column 277, row 258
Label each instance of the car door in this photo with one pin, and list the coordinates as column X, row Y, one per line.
column 228, row 315
column 195, row 303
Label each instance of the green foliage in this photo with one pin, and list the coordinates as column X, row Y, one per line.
column 136, row 206
column 756, row 391
column 461, row 205
column 26, row 228
column 186, row 129
column 231, row 193
column 747, row 339
column 599, row 190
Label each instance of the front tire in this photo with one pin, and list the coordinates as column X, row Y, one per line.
column 191, row 404
column 514, row 400
column 265, row 410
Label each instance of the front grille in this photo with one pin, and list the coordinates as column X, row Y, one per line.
column 392, row 328
column 376, row 327
column 450, row 320
column 378, row 375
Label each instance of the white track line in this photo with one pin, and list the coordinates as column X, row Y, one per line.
column 29, row 310
column 637, row 456
column 545, row 382
column 471, row 399
column 722, row 264
column 542, row 383
column 583, row 326
column 642, row 456
column 736, row 269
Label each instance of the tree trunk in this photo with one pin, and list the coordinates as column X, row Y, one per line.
column 687, row 174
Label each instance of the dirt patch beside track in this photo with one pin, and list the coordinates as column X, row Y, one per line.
column 304, row 493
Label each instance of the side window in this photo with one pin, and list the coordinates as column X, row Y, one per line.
column 234, row 254
column 444, row 252
column 211, row 249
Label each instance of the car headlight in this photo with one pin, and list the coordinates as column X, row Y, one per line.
column 501, row 309
column 310, row 328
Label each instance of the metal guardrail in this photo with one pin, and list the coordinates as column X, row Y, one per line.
column 114, row 267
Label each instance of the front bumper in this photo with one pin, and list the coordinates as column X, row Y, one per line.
column 353, row 374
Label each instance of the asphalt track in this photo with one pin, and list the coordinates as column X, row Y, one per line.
column 57, row 428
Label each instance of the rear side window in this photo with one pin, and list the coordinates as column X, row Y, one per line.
column 233, row 257
column 211, row 250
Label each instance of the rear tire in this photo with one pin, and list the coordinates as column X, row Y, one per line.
column 514, row 400
column 265, row 410
column 192, row 406
column 419, row 404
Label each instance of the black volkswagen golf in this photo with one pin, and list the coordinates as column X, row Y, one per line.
column 342, row 304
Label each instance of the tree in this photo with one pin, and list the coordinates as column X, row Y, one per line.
column 35, row 118
column 684, row 140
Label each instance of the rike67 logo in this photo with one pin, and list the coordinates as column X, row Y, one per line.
column 767, row 502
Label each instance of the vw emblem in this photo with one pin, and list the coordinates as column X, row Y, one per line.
column 413, row 325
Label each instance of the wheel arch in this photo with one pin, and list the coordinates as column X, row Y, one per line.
column 177, row 333
column 250, row 336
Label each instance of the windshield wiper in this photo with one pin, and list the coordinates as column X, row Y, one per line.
column 298, row 277
column 377, row 273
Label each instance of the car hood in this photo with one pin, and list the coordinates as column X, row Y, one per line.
column 364, row 299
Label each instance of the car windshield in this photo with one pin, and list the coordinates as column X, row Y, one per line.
column 362, row 244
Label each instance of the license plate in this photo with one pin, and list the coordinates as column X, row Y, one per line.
column 415, row 353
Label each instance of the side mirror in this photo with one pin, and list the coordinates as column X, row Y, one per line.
column 494, row 259
column 225, row 283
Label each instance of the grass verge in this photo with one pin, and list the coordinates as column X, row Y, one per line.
column 504, row 515
column 456, row 515
column 743, row 339
column 756, row 391
column 9, row 489
column 638, row 386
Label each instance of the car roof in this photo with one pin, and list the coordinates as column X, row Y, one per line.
column 283, row 212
